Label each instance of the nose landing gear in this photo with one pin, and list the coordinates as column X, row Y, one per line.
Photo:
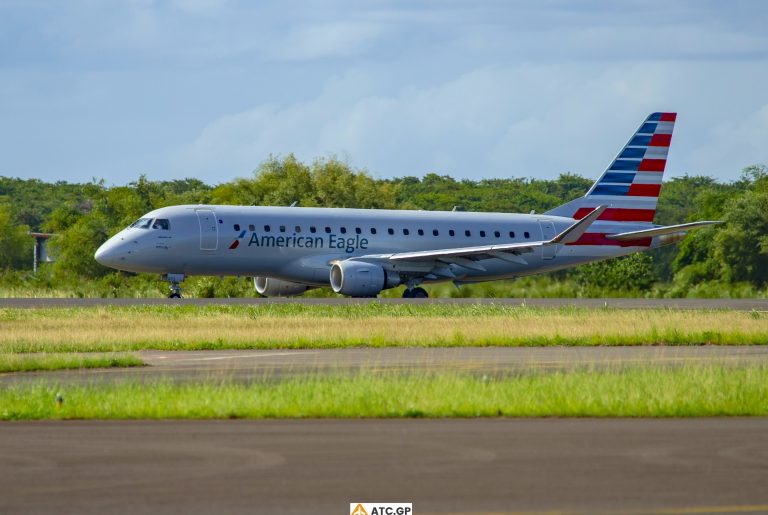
column 174, row 279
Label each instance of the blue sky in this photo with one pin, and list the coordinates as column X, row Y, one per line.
column 475, row 89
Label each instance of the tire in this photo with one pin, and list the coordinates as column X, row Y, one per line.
column 419, row 293
column 406, row 293
column 174, row 296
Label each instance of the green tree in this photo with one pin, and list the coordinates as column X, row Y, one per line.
column 73, row 249
column 15, row 242
column 737, row 250
column 630, row 273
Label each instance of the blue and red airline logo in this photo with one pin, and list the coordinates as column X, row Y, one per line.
column 236, row 243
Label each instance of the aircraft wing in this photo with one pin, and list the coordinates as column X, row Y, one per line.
column 466, row 256
column 658, row 231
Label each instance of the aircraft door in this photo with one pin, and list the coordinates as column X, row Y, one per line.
column 209, row 229
column 547, row 232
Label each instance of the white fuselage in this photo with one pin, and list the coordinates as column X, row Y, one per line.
column 300, row 244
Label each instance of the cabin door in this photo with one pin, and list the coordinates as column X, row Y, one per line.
column 209, row 229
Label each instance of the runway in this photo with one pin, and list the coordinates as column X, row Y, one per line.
column 250, row 365
column 491, row 466
column 620, row 303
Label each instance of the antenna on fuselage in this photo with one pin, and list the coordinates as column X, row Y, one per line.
column 294, row 203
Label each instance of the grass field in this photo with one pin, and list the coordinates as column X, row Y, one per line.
column 694, row 390
column 44, row 361
column 113, row 329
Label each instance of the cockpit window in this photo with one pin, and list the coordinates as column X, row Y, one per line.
column 141, row 223
column 161, row 223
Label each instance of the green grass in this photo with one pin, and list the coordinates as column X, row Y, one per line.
column 686, row 391
column 351, row 311
column 45, row 361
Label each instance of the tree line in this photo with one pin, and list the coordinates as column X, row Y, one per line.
column 726, row 259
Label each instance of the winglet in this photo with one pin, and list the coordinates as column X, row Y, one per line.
column 574, row 232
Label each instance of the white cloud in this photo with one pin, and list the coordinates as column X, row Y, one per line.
column 739, row 141
column 491, row 122
column 486, row 89
column 338, row 39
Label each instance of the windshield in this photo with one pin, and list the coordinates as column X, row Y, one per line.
column 141, row 223
column 161, row 223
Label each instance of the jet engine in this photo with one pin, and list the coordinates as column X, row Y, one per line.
column 270, row 287
column 358, row 279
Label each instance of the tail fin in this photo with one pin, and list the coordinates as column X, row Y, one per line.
column 631, row 184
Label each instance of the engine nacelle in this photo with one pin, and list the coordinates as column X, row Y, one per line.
column 270, row 287
column 358, row 279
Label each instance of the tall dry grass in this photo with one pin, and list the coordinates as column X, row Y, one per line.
column 109, row 329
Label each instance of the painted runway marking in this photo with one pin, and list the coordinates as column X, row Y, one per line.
column 240, row 356
column 714, row 510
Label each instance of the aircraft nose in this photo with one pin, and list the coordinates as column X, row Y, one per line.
column 107, row 254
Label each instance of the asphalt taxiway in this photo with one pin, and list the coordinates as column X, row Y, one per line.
column 619, row 303
column 491, row 466
column 249, row 365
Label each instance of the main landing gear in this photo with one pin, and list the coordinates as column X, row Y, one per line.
column 415, row 293
column 174, row 279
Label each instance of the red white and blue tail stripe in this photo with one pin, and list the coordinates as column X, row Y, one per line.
column 631, row 184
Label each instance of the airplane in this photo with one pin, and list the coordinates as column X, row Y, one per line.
column 361, row 252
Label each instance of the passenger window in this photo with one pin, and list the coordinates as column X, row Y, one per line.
column 267, row 228
column 482, row 234
column 358, row 230
column 163, row 224
column 435, row 233
column 451, row 233
column 391, row 231
column 421, row 232
column 312, row 229
column 282, row 228
column 297, row 228
column 511, row 234
column 527, row 234
column 406, row 232
column 251, row 227
column 328, row 230
column 237, row 226
column 373, row 230
column 497, row 234
column 467, row 233
column 343, row 230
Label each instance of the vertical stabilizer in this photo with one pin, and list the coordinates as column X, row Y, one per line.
column 630, row 186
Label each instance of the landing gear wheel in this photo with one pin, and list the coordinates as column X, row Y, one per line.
column 415, row 293
column 175, row 280
column 175, row 291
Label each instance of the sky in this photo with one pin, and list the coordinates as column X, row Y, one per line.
column 210, row 89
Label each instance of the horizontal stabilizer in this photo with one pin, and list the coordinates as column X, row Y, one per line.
column 658, row 231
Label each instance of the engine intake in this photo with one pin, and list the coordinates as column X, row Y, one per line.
column 358, row 279
column 270, row 287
